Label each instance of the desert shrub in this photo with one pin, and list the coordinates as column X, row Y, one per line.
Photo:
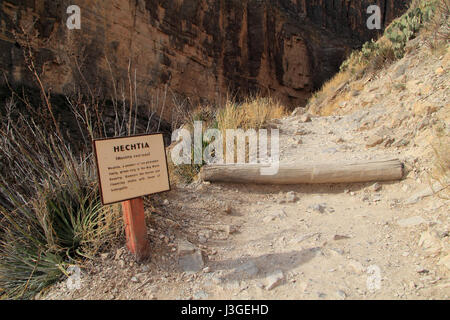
column 50, row 208
column 252, row 113
column 408, row 25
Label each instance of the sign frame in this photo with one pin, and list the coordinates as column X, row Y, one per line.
column 98, row 167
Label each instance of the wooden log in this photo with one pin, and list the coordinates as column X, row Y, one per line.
column 335, row 172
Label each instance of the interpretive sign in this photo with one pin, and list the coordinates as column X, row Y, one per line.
column 131, row 167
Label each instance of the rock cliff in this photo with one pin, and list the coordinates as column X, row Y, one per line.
column 199, row 49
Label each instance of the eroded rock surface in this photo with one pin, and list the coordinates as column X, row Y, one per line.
column 200, row 49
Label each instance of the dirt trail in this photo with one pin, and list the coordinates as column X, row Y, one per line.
column 289, row 242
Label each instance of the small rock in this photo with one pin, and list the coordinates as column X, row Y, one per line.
column 356, row 266
column 166, row 202
column 192, row 263
column 374, row 141
column 319, row 208
column 439, row 71
column 229, row 229
column 342, row 294
column 305, row 118
column 228, row 209
column 135, row 280
column 338, row 237
column 145, row 268
column 291, row 197
column 302, row 132
column 274, row 280
column 269, row 219
column 376, row 187
column 185, row 247
column 427, row 192
column 207, row 270
column 202, row 239
column 298, row 111
column 304, row 237
column 321, row 295
column 411, row 222
column 430, row 242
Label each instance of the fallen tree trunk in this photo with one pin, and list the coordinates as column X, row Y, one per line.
column 335, row 172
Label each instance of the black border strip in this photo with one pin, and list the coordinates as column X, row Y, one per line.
column 132, row 136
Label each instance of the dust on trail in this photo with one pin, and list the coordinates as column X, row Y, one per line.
column 354, row 241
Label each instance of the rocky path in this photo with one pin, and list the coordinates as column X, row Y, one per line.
column 224, row 241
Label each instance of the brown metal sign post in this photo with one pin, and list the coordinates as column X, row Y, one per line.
column 128, row 169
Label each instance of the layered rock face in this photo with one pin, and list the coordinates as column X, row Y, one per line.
column 187, row 50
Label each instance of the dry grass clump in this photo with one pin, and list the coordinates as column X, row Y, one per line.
column 253, row 113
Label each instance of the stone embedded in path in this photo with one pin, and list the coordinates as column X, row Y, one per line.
column 305, row 118
column 427, row 192
column 304, row 237
column 185, row 247
column 228, row 209
column 274, row 280
column 376, row 187
column 192, row 262
column 291, row 197
column 338, row 237
column 298, row 111
column 190, row 258
column 320, row 208
column 411, row 222
column 374, row 141
column 430, row 242
column 356, row 266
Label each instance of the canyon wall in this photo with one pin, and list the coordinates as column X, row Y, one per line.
column 194, row 51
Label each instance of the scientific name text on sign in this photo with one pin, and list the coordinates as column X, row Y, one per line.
column 131, row 167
